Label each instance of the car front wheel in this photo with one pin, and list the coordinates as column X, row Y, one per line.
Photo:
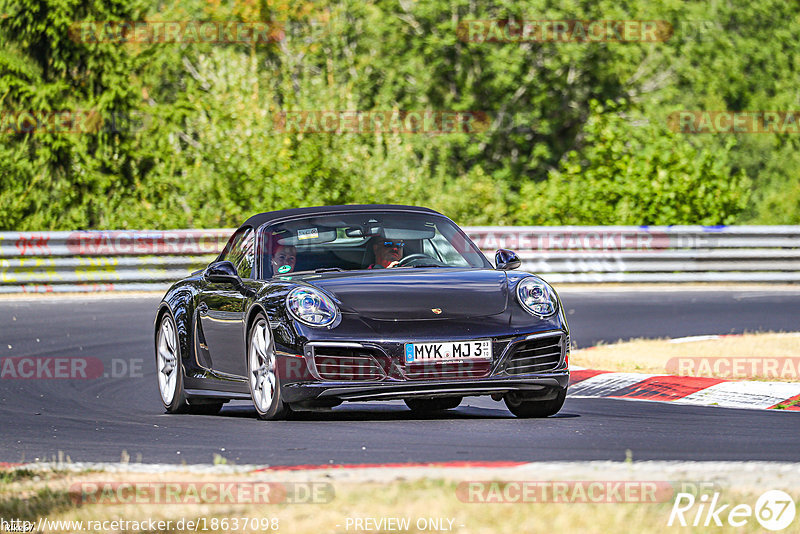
column 525, row 407
column 262, row 372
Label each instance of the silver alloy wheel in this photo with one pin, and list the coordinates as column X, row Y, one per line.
column 167, row 360
column 262, row 367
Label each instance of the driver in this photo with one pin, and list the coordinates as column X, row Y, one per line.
column 388, row 253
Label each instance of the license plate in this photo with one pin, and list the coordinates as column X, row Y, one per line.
column 449, row 350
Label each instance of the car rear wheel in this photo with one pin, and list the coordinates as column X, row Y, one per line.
column 433, row 405
column 169, row 368
column 262, row 370
column 525, row 407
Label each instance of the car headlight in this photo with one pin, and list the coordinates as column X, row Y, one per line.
column 536, row 297
column 311, row 307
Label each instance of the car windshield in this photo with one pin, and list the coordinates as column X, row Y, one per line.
column 367, row 240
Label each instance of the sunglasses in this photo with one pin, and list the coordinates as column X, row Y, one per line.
column 392, row 244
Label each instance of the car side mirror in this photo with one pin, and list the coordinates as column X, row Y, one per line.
column 222, row 272
column 506, row 260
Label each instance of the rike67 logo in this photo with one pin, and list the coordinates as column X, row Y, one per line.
column 774, row 510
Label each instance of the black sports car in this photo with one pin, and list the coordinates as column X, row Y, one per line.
column 306, row 308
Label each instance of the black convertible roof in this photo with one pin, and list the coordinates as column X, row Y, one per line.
column 271, row 216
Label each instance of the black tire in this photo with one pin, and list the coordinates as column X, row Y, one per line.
column 526, row 408
column 276, row 409
column 433, row 405
column 169, row 360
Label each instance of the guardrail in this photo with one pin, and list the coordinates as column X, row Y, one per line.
column 89, row 261
column 651, row 254
column 36, row 262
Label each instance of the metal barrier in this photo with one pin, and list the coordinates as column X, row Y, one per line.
column 651, row 254
column 44, row 262
column 36, row 262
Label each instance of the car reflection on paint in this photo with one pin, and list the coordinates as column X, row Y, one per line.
column 306, row 308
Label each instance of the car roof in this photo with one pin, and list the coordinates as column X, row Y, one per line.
column 273, row 216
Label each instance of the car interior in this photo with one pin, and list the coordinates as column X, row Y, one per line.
column 345, row 247
column 348, row 257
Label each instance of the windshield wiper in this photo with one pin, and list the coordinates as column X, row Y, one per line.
column 329, row 270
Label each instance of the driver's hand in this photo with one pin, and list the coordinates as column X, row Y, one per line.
column 393, row 264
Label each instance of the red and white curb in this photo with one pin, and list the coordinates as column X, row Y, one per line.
column 686, row 390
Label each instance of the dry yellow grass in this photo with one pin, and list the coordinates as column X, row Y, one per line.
column 417, row 501
column 770, row 356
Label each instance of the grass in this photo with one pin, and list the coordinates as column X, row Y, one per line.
column 787, row 405
column 13, row 475
column 761, row 356
column 420, row 501
column 36, row 503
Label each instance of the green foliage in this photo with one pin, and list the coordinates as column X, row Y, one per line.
column 56, row 180
column 642, row 174
column 206, row 150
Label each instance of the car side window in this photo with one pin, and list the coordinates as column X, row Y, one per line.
column 240, row 252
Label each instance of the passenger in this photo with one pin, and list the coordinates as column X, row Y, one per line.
column 284, row 257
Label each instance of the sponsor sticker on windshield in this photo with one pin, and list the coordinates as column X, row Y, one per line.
column 308, row 233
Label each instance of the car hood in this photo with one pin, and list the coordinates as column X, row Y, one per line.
column 418, row 294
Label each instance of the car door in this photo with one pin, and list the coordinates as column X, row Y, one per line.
column 221, row 309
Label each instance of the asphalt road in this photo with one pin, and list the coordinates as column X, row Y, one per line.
column 98, row 419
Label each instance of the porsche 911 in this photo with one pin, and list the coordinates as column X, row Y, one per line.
column 307, row 308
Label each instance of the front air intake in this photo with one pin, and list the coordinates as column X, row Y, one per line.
column 335, row 363
column 536, row 355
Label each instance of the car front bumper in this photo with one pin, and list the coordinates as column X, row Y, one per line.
column 535, row 364
column 544, row 386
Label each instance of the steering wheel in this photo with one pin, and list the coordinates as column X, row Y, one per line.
column 411, row 258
